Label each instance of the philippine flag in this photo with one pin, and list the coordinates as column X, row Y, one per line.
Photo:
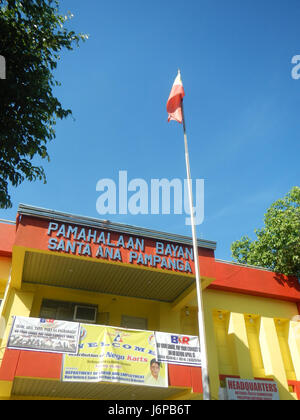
column 174, row 104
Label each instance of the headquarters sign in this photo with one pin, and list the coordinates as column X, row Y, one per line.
column 247, row 389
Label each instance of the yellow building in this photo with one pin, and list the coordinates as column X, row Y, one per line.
column 119, row 283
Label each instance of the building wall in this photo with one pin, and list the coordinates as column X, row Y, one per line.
column 5, row 266
column 249, row 337
column 28, row 301
column 7, row 237
column 250, row 316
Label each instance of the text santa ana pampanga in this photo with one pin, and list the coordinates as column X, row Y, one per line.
column 121, row 248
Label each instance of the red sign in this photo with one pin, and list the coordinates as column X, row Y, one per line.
column 118, row 247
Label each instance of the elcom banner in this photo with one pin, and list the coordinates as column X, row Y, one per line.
column 115, row 355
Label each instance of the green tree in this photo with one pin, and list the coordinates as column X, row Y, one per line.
column 277, row 246
column 32, row 35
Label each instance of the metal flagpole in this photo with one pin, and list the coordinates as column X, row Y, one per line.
column 202, row 337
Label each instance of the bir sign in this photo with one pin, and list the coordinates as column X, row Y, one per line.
column 178, row 349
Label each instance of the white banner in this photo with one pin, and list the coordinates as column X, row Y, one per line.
column 178, row 349
column 47, row 335
column 247, row 389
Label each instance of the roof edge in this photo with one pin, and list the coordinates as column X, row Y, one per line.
column 256, row 267
column 43, row 213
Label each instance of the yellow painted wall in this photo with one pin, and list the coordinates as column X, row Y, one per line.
column 115, row 306
column 18, row 303
column 159, row 315
column 247, row 336
column 282, row 327
column 250, row 337
column 5, row 266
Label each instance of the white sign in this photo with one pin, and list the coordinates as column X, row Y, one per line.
column 47, row 335
column 178, row 349
column 2, row 67
column 246, row 389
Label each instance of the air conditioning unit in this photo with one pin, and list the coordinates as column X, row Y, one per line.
column 86, row 314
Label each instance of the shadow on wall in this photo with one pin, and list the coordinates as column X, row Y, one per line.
column 291, row 282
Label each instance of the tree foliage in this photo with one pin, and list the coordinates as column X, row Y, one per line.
column 277, row 246
column 32, row 35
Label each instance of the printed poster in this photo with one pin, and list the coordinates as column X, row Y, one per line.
column 178, row 349
column 115, row 355
column 248, row 389
column 47, row 335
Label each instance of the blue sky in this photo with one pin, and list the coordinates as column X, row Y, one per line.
column 242, row 109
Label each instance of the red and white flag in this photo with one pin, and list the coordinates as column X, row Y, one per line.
column 174, row 104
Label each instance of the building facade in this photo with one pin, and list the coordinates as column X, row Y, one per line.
column 116, row 279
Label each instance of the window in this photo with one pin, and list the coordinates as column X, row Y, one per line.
column 68, row 311
column 134, row 322
column 85, row 313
